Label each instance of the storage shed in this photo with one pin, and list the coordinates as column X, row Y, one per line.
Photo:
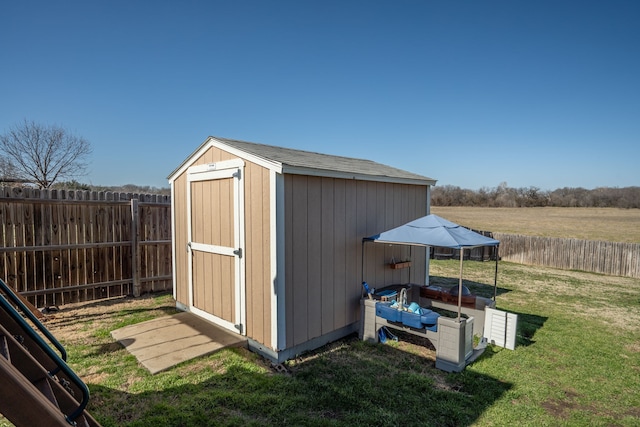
column 267, row 241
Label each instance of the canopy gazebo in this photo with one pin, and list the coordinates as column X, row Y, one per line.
column 432, row 230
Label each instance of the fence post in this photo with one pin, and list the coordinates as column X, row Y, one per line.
column 135, row 269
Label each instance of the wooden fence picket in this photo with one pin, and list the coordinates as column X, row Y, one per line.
column 67, row 246
column 611, row 258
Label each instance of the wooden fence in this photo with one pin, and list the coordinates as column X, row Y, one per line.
column 59, row 247
column 481, row 253
column 616, row 259
column 67, row 246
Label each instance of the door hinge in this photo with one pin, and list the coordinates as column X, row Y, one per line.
column 238, row 252
column 239, row 327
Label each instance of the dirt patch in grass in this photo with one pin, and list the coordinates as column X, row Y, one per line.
column 75, row 323
column 633, row 348
column 561, row 407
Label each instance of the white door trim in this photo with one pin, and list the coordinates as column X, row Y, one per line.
column 212, row 171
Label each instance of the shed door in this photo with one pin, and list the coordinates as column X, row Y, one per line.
column 216, row 242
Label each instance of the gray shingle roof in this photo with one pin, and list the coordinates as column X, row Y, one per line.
column 290, row 157
column 312, row 163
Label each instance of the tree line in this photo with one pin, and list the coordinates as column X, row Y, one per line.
column 127, row 188
column 506, row 197
column 449, row 195
column 50, row 156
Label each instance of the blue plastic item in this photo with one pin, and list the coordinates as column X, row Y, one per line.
column 429, row 317
column 389, row 334
column 382, row 336
column 387, row 293
column 411, row 319
column 384, row 310
column 366, row 287
column 414, row 308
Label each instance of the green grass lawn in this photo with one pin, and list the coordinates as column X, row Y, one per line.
column 577, row 363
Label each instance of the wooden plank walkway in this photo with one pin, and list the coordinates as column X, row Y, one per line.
column 163, row 343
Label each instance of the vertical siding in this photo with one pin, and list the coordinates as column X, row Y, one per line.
column 315, row 211
column 299, row 261
column 334, row 249
column 257, row 260
column 257, row 238
column 325, row 221
column 179, row 214
column 327, row 261
column 352, row 255
column 289, row 251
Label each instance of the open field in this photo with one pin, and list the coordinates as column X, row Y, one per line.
column 577, row 363
column 608, row 224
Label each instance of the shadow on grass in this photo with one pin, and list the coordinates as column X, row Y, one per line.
column 348, row 382
column 476, row 288
column 113, row 301
column 528, row 325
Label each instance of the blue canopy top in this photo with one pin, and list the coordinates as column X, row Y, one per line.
column 432, row 230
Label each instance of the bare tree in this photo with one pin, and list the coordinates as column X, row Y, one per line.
column 8, row 172
column 44, row 154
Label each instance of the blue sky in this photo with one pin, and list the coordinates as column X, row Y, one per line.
column 471, row 93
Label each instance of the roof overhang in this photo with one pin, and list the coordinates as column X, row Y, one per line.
column 295, row 170
column 213, row 142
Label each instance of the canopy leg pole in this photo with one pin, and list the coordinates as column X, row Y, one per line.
column 460, row 285
column 495, row 277
column 427, row 265
column 410, row 259
column 362, row 269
